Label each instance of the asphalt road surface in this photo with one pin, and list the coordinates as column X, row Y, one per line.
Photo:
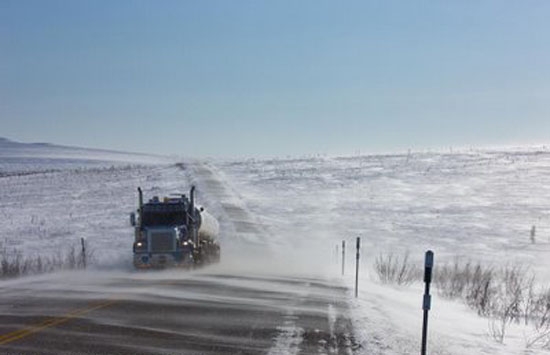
column 207, row 311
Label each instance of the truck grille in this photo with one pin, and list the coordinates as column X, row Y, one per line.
column 162, row 241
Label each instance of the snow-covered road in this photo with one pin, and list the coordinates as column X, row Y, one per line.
column 211, row 311
column 253, row 302
column 277, row 289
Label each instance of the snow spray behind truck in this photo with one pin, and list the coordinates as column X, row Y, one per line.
column 174, row 232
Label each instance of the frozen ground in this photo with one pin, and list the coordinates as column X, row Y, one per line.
column 285, row 216
column 52, row 196
column 474, row 205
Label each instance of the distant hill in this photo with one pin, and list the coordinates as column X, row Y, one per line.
column 6, row 143
column 28, row 156
column 9, row 147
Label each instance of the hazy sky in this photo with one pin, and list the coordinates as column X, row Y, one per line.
column 275, row 78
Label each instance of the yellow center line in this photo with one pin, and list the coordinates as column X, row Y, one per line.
column 52, row 322
column 22, row 333
column 49, row 320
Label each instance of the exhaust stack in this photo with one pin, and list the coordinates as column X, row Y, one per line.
column 193, row 214
column 140, row 198
column 192, row 197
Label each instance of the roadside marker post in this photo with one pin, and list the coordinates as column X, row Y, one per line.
column 343, row 256
column 427, row 301
column 83, row 243
column 357, row 266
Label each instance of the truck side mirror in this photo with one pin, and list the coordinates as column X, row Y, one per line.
column 133, row 219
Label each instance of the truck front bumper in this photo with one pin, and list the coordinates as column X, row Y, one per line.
column 148, row 260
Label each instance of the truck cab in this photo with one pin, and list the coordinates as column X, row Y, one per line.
column 167, row 233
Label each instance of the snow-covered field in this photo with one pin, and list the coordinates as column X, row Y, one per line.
column 474, row 205
column 52, row 196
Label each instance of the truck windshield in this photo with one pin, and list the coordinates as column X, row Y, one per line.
column 154, row 219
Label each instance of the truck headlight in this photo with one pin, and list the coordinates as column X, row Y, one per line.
column 139, row 244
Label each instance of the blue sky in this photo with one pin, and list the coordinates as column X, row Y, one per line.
column 275, row 78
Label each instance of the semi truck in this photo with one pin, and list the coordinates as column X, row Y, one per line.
column 173, row 231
